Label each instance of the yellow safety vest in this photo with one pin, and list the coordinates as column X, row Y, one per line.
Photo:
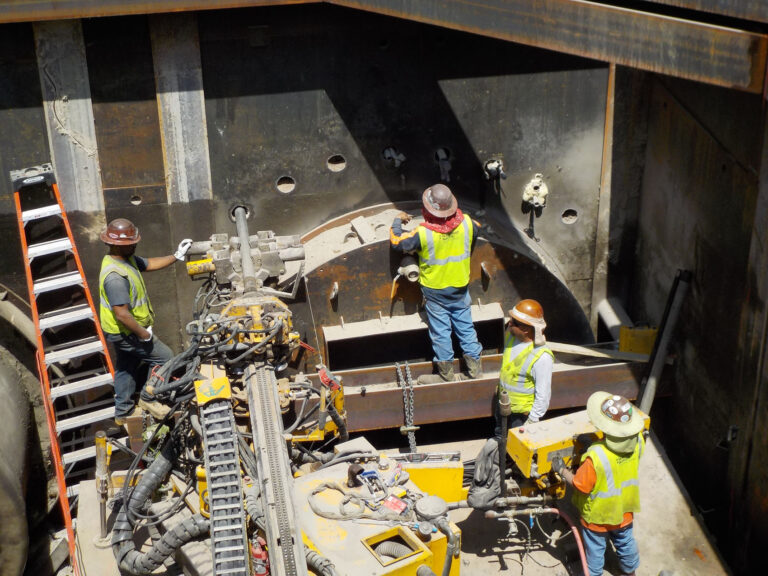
column 617, row 489
column 516, row 375
column 444, row 258
column 141, row 307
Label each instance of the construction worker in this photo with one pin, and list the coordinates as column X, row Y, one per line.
column 443, row 243
column 526, row 367
column 606, row 489
column 127, row 316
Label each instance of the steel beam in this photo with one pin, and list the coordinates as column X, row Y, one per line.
column 683, row 48
column 374, row 401
column 745, row 9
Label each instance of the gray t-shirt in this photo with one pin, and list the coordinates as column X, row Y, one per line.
column 117, row 289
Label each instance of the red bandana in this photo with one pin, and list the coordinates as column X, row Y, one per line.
column 442, row 225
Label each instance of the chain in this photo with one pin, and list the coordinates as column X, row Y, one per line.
column 407, row 386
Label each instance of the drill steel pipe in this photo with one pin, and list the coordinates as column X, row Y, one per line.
column 373, row 401
column 249, row 276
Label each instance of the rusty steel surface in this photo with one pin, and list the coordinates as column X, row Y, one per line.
column 38, row 10
column 374, row 402
column 683, row 48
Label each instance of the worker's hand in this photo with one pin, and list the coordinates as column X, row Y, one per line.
column 558, row 465
column 183, row 248
column 529, row 421
column 149, row 331
column 404, row 217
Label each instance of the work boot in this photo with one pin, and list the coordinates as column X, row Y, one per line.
column 474, row 367
column 155, row 408
column 122, row 420
column 444, row 374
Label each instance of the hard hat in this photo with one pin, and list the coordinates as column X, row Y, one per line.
column 614, row 415
column 531, row 313
column 120, row 232
column 439, row 201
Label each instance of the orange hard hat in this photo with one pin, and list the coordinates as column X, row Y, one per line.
column 439, row 201
column 120, row 232
column 528, row 312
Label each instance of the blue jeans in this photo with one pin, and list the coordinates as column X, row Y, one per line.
column 131, row 352
column 626, row 549
column 446, row 312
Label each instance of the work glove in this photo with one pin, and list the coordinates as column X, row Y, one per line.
column 404, row 217
column 558, row 465
column 183, row 248
column 148, row 329
column 529, row 421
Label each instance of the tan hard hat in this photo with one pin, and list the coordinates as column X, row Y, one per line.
column 614, row 415
column 120, row 232
column 439, row 201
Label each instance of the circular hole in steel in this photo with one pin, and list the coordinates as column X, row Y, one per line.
column 336, row 163
column 569, row 216
column 233, row 209
column 135, row 199
column 285, row 184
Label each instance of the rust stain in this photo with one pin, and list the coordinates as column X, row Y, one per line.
column 700, row 554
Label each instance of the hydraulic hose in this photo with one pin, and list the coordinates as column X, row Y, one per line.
column 452, row 549
column 425, row 570
column 128, row 558
column 320, row 565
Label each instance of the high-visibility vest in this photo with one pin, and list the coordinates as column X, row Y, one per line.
column 141, row 307
column 444, row 258
column 617, row 489
column 516, row 376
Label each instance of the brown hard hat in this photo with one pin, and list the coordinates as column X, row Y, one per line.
column 528, row 312
column 439, row 201
column 120, row 232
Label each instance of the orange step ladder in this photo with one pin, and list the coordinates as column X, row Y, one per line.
column 75, row 370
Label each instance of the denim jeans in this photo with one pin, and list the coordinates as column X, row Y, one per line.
column 131, row 352
column 444, row 314
column 626, row 549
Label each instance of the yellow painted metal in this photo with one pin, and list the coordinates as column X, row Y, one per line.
column 442, row 479
column 532, row 447
column 212, row 389
column 202, row 490
column 639, row 340
column 205, row 266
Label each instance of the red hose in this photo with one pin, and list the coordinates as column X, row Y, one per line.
column 576, row 535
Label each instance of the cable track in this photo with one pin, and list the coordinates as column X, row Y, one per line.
column 229, row 539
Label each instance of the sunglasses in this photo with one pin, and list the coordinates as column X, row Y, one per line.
column 513, row 322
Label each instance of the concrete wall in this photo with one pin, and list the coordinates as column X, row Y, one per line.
column 697, row 212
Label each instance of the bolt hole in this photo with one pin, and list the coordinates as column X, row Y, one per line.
column 336, row 163
column 285, row 184
column 136, row 200
column 570, row 216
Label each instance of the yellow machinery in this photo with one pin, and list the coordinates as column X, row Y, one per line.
column 241, row 433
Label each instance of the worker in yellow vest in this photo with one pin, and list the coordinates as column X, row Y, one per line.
column 606, row 486
column 127, row 316
column 526, row 367
column 443, row 243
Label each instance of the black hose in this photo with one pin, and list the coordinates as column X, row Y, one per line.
column 339, row 421
column 319, row 564
column 123, row 547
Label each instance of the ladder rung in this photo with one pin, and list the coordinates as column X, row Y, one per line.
column 86, row 453
column 50, row 247
column 73, row 490
column 81, row 385
column 57, row 282
column 73, row 352
column 38, row 213
column 230, row 549
column 64, row 316
column 85, row 419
